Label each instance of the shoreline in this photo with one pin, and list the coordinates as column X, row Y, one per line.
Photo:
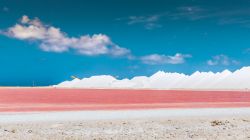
column 18, row 117
column 100, row 88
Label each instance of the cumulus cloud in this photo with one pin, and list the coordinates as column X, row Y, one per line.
column 52, row 39
column 221, row 60
column 155, row 59
column 226, row 79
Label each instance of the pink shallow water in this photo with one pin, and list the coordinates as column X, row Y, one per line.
column 58, row 99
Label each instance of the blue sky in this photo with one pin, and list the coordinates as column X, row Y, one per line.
column 46, row 41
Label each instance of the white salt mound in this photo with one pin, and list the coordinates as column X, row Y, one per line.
column 239, row 79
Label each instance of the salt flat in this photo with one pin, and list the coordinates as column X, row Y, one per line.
column 11, row 117
column 209, row 124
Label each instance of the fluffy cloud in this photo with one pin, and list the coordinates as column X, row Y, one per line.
column 155, row 59
column 221, row 60
column 52, row 39
column 226, row 80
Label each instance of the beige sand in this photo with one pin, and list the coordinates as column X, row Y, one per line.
column 211, row 128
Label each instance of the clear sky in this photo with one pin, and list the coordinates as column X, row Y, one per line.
column 46, row 41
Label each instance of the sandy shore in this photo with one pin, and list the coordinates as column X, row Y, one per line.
column 179, row 124
column 163, row 128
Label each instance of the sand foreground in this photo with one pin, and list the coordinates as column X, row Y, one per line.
column 202, row 128
column 212, row 123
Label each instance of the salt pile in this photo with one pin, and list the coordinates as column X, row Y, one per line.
column 239, row 79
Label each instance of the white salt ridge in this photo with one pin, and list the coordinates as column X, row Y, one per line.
column 225, row 80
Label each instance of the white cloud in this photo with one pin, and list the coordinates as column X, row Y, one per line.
column 149, row 22
column 25, row 19
column 142, row 19
column 5, row 9
column 226, row 80
column 221, row 60
column 188, row 12
column 52, row 39
column 155, row 59
column 193, row 13
column 247, row 50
